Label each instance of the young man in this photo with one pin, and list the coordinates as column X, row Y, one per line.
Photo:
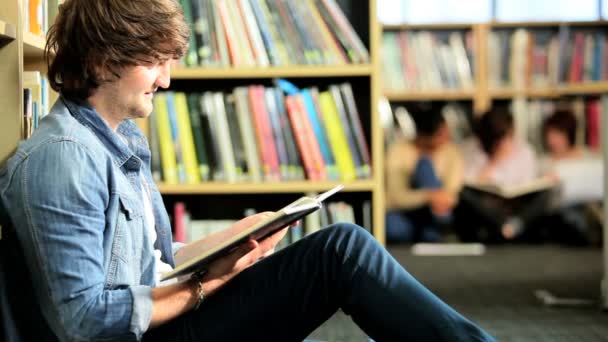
column 423, row 180
column 95, row 234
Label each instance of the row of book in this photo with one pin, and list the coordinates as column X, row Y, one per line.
column 258, row 133
column 528, row 118
column 248, row 33
column 545, row 57
column 186, row 229
column 425, row 60
column 35, row 99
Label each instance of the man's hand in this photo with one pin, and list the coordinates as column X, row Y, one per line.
column 173, row 300
column 441, row 201
column 222, row 270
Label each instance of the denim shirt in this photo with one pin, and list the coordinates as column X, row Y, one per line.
column 73, row 193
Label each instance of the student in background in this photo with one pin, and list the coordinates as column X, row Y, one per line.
column 559, row 137
column 580, row 175
column 423, row 179
column 497, row 156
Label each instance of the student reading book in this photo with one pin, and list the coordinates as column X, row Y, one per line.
column 503, row 192
column 94, row 232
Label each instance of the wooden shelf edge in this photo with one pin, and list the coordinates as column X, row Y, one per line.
column 416, row 95
column 557, row 91
column 8, row 31
column 429, row 26
column 267, row 187
column 516, row 24
column 271, row 72
column 33, row 45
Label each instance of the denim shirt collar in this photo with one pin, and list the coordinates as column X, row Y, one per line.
column 129, row 153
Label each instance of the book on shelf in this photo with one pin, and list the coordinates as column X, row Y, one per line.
column 225, row 241
column 513, row 191
column 546, row 57
column 428, row 60
column 249, row 33
column 257, row 133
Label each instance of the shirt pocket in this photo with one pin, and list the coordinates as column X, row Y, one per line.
column 127, row 245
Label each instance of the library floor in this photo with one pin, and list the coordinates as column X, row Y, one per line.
column 497, row 289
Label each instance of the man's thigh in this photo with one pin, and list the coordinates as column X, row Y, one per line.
column 280, row 298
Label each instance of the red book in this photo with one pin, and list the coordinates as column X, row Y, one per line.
column 179, row 228
column 301, row 137
column 263, row 130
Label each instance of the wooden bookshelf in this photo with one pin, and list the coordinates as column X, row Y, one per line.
column 266, row 188
column 363, row 73
column 502, row 94
column 540, row 24
column 484, row 94
column 416, row 95
column 33, row 46
column 586, row 88
column 271, row 72
column 452, row 26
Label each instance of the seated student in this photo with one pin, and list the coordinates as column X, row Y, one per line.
column 580, row 174
column 423, row 178
column 95, row 235
column 497, row 156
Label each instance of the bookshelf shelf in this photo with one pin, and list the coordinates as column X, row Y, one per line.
column 415, row 95
column 584, row 88
column 271, row 72
column 8, row 31
column 33, row 45
column 496, row 24
column 452, row 26
column 256, row 188
column 587, row 88
column 505, row 94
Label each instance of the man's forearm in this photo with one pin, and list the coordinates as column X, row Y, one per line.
column 172, row 301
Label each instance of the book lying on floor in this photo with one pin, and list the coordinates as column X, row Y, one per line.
column 512, row 191
column 448, row 249
column 222, row 243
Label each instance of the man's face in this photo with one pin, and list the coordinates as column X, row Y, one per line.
column 133, row 92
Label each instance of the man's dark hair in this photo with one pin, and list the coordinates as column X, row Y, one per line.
column 492, row 127
column 91, row 41
column 427, row 120
column 564, row 122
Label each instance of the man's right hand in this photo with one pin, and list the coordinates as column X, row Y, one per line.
column 222, row 270
column 441, row 201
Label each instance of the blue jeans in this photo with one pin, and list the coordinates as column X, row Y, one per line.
column 286, row 296
column 419, row 224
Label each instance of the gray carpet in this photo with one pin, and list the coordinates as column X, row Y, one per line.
column 497, row 291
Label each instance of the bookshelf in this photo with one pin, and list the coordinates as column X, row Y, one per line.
column 484, row 94
column 11, row 66
column 366, row 86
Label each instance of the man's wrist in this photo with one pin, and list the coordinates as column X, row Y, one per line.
column 196, row 281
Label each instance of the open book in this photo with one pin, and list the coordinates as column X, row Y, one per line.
column 222, row 243
column 512, row 191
